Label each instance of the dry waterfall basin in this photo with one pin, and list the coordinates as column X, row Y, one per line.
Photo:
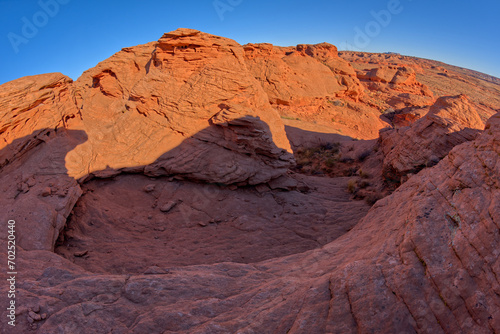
column 195, row 185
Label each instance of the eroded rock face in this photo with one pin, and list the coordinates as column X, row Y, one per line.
column 280, row 254
column 185, row 105
column 441, row 79
column 29, row 107
column 425, row 258
column 450, row 122
column 36, row 190
column 311, row 84
column 302, row 75
column 399, row 84
column 165, row 224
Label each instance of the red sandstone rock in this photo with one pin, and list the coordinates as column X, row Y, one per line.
column 405, row 119
column 146, row 251
column 206, row 127
column 305, row 83
column 30, row 107
column 299, row 76
column 437, row 78
column 450, row 122
column 424, row 259
column 36, row 189
column 399, row 85
column 118, row 117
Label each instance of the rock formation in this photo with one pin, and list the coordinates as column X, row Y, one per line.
column 306, row 82
column 398, row 85
column 226, row 133
column 29, row 106
column 188, row 86
column 302, row 75
column 439, row 78
column 450, row 122
column 155, row 194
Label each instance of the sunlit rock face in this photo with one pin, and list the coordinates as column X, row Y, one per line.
column 155, row 195
column 183, row 105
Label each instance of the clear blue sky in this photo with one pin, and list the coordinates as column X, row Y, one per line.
column 79, row 34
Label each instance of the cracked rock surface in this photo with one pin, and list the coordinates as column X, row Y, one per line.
column 154, row 195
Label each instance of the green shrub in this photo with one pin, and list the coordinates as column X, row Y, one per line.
column 364, row 174
column 330, row 162
column 364, row 184
column 351, row 185
column 363, row 155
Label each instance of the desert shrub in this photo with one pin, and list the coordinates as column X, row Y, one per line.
column 321, row 159
column 337, row 103
column 308, row 153
column 364, row 174
column 363, row 155
column 352, row 185
column 332, row 147
column 317, row 171
column 303, row 162
column 364, row 184
column 346, row 160
column 372, row 198
column 291, row 118
column 350, row 171
column 330, row 162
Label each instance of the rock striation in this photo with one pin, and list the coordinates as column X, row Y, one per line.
column 192, row 108
column 451, row 121
column 154, row 195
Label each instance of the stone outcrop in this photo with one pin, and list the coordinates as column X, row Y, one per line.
column 425, row 259
column 30, row 107
column 399, row 84
column 302, row 75
column 440, row 78
column 154, row 195
column 451, row 121
column 36, row 189
column 185, row 105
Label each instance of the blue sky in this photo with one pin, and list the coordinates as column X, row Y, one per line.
column 70, row 36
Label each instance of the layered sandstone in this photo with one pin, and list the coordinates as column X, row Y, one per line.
column 451, row 121
column 154, row 195
column 193, row 110
column 424, row 259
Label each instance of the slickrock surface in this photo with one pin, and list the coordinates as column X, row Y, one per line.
column 402, row 81
column 29, row 106
column 215, row 123
column 424, row 259
column 305, row 84
column 142, row 222
column 450, row 121
column 158, row 193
